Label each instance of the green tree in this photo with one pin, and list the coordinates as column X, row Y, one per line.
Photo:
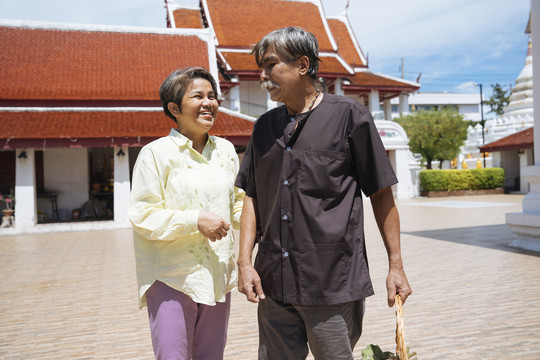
column 498, row 100
column 435, row 134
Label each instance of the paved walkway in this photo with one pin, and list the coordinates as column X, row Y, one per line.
column 73, row 295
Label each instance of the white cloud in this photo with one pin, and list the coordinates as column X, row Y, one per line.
column 468, row 87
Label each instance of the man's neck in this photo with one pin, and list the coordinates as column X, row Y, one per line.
column 303, row 101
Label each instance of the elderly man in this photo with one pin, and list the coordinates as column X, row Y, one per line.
column 304, row 172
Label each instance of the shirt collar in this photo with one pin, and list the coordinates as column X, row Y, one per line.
column 182, row 140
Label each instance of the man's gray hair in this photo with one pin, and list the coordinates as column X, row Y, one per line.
column 291, row 43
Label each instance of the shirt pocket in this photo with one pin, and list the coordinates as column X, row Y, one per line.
column 321, row 173
column 323, row 269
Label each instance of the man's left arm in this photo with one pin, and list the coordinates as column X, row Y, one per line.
column 387, row 217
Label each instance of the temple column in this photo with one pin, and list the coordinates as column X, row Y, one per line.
column 403, row 104
column 234, row 98
column 338, row 89
column 121, row 185
column 25, row 190
column 387, row 108
column 526, row 224
column 374, row 105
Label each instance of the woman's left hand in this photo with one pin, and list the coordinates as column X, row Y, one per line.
column 212, row 226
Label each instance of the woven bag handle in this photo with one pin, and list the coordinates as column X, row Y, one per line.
column 401, row 346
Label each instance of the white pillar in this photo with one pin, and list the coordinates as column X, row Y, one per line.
column 270, row 104
column 25, row 190
column 403, row 104
column 121, row 186
column 526, row 224
column 387, row 108
column 374, row 101
column 374, row 105
column 523, row 163
column 234, row 98
column 338, row 89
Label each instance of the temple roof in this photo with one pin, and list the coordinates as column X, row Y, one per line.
column 63, row 83
column 348, row 47
column 339, row 50
column 242, row 23
column 518, row 141
column 77, row 127
column 364, row 81
column 89, row 63
column 242, row 62
column 187, row 18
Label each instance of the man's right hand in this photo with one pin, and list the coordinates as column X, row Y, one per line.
column 249, row 283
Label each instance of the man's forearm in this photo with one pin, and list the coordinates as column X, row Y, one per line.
column 248, row 232
column 387, row 217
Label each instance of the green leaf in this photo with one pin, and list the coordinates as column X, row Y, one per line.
column 374, row 352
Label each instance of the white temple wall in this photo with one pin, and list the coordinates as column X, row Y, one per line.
column 253, row 98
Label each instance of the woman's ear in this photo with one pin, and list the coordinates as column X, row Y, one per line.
column 303, row 63
column 173, row 108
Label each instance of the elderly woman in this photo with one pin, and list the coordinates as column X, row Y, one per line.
column 182, row 203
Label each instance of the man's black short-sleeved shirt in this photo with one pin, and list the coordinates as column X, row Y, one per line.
column 307, row 186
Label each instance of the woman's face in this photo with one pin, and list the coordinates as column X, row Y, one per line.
column 199, row 108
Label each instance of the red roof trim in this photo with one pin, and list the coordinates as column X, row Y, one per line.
column 518, row 141
column 102, row 128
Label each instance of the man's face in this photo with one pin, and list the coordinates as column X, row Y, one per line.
column 279, row 77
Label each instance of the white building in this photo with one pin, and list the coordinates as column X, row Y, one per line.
column 466, row 104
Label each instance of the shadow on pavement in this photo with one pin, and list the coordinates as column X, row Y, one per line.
column 489, row 236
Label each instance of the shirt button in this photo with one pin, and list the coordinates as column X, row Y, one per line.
column 285, row 182
column 286, row 254
column 285, row 217
column 288, row 148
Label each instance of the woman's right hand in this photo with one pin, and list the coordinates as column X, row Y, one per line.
column 212, row 226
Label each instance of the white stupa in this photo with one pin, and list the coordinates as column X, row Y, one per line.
column 518, row 114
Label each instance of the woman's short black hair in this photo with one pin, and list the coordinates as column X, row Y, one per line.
column 175, row 85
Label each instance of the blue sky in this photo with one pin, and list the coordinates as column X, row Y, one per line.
column 452, row 43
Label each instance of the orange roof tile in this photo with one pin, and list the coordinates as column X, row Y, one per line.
column 245, row 62
column 331, row 65
column 364, row 81
column 110, row 128
column 369, row 79
column 89, row 64
column 242, row 23
column 345, row 42
column 188, row 18
column 518, row 141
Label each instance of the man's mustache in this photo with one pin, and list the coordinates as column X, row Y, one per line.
column 268, row 85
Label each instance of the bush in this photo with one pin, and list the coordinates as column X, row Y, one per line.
column 450, row 180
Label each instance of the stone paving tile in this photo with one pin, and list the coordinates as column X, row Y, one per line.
column 74, row 296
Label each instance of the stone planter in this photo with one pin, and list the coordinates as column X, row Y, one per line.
column 7, row 220
column 462, row 192
column 8, row 212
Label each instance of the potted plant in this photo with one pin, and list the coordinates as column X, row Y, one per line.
column 9, row 200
